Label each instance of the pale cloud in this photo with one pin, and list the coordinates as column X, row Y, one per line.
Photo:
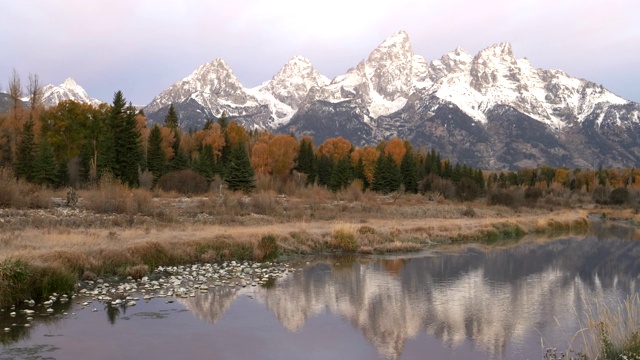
column 142, row 47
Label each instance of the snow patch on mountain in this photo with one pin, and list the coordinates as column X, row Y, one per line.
column 68, row 90
column 495, row 77
column 381, row 85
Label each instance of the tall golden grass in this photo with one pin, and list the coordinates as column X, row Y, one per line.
column 609, row 332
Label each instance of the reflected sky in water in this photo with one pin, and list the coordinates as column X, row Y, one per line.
column 458, row 303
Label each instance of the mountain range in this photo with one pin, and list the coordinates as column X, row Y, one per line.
column 490, row 110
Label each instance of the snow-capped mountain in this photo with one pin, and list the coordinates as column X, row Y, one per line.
column 213, row 89
column 288, row 88
column 68, row 90
column 384, row 81
column 491, row 110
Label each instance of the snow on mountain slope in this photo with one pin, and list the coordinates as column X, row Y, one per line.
column 288, row 88
column 384, row 81
column 382, row 84
column 68, row 90
column 212, row 85
column 495, row 77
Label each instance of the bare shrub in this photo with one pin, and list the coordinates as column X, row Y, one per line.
column 264, row 204
column 619, row 196
column 353, row 192
column 137, row 271
column 146, row 179
column 468, row 212
column 19, row 194
column 505, row 197
column 444, row 187
column 532, row 194
column 111, row 196
column 185, row 182
column 267, row 248
column 600, row 195
column 467, row 190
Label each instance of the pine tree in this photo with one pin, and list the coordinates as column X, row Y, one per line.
column 342, row 174
column 409, row 171
column 62, row 174
column 179, row 160
column 86, row 154
column 223, row 121
column 306, row 162
column 156, row 157
column 24, row 167
column 6, row 154
column 127, row 147
column 206, row 163
column 171, row 120
column 239, row 174
column 44, row 167
column 325, row 170
column 360, row 174
column 386, row 176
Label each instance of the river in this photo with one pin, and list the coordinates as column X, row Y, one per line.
column 508, row 301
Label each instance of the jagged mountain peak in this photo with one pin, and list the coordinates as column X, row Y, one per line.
column 67, row 90
column 395, row 92
column 399, row 38
column 285, row 92
column 397, row 47
column 69, row 82
column 499, row 49
column 452, row 62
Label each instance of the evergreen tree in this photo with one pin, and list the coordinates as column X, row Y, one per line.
column 409, row 171
column 171, row 120
column 206, row 163
column 6, row 154
column 479, row 179
column 156, row 157
column 305, row 157
column 360, row 174
column 180, row 161
column 62, row 174
column 24, row 167
column 342, row 174
column 239, row 174
column 306, row 162
column 127, row 144
column 223, row 121
column 325, row 170
column 386, row 176
column 84, row 162
column 44, row 166
column 106, row 158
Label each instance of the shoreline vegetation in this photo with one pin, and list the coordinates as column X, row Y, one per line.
column 114, row 230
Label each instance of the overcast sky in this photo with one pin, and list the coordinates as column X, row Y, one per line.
column 142, row 47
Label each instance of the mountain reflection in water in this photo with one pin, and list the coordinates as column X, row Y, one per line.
column 503, row 301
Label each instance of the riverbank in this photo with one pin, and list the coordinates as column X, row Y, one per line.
column 48, row 250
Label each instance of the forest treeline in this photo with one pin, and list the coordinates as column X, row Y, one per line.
column 76, row 144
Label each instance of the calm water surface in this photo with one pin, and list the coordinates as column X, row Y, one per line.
column 463, row 303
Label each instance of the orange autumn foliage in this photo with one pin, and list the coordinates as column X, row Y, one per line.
column 260, row 158
column 396, row 148
column 236, row 134
column 282, row 152
column 369, row 155
column 335, row 148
